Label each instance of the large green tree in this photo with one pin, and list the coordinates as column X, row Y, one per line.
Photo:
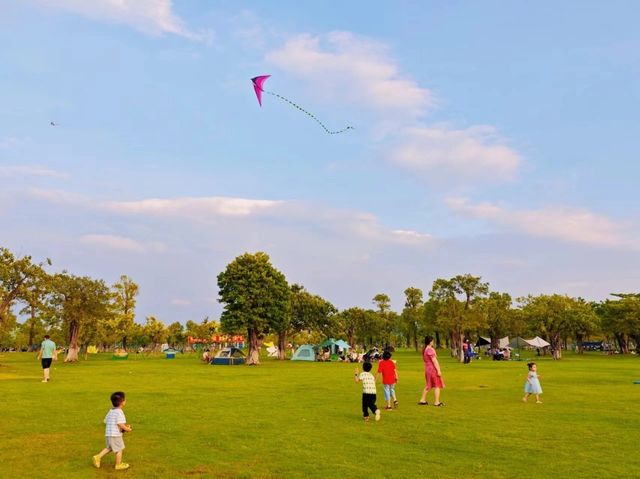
column 412, row 315
column 556, row 316
column 17, row 275
column 155, row 331
column 457, row 307
column 124, row 304
column 387, row 318
column 621, row 319
column 498, row 315
column 255, row 297
column 352, row 322
column 307, row 312
column 79, row 303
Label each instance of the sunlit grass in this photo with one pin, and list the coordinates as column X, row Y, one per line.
column 297, row 419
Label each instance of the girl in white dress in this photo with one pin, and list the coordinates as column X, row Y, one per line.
column 532, row 386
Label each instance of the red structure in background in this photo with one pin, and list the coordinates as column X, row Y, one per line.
column 219, row 340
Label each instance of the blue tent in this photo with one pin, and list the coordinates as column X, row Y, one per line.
column 304, row 353
column 335, row 344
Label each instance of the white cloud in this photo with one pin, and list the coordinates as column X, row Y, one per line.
column 119, row 243
column 10, row 171
column 352, row 69
column 567, row 224
column 58, row 196
column 337, row 223
column 348, row 69
column 8, row 142
column 154, row 17
column 472, row 155
column 198, row 208
column 411, row 237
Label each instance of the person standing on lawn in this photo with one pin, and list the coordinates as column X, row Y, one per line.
column 46, row 355
column 432, row 373
column 387, row 368
column 368, row 391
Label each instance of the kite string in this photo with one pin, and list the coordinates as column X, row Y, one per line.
column 310, row 114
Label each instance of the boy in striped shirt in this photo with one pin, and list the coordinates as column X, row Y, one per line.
column 368, row 391
column 115, row 425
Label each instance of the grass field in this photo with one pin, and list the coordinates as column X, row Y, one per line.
column 297, row 419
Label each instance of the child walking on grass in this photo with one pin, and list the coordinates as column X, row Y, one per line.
column 368, row 391
column 387, row 368
column 532, row 386
column 115, row 425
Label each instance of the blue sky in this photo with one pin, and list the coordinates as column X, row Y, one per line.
column 493, row 138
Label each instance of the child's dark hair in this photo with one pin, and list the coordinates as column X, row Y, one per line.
column 427, row 340
column 117, row 398
column 366, row 367
column 530, row 365
column 386, row 355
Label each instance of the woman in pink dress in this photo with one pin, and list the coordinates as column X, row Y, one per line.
column 432, row 373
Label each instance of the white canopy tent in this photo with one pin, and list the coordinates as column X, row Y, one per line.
column 536, row 342
column 502, row 342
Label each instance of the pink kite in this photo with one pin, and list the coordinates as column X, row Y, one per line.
column 258, row 86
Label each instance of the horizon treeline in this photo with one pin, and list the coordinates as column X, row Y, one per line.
column 78, row 311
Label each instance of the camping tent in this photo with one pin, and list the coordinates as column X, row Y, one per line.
column 335, row 344
column 536, row 342
column 304, row 353
column 502, row 342
column 229, row 356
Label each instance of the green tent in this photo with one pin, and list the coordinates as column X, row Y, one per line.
column 304, row 353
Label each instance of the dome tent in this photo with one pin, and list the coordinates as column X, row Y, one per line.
column 305, row 352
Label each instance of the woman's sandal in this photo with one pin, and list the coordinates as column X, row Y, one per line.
column 420, row 403
column 439, row 404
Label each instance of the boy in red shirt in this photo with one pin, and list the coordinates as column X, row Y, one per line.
column 387, row 368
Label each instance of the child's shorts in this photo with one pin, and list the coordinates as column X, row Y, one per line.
column 389, row 391
column 114, row 443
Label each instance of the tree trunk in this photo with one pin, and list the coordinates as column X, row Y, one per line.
column 282, row 340
column 124, row 342
column 72, row 353
column 32, row 330
column 556, row 346
column 253, row 358
column 622, row 342
column 415, row 336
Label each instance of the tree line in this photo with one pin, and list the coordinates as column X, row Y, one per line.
column 258, row 301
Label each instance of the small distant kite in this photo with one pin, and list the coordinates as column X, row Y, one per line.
column 52, row 123
column 258, row 83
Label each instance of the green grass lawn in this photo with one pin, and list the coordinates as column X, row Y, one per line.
column 297, row 419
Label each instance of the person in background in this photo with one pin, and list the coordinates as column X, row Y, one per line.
column 115, row 424
column 532, row 386
column 432, row 373
column 387, row 368
column 467, row 350
column 368, row 391
column 46, row 355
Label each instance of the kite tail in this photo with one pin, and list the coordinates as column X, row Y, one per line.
column 310, row 114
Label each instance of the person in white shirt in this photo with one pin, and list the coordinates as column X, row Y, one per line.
column 368, row 391
column 115, row 425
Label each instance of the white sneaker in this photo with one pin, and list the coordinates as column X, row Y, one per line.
column 377, row 414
